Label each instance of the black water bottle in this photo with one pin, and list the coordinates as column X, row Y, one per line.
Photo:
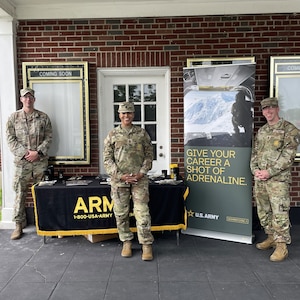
column 61, row 175
column 46, row 175
column 51, row 172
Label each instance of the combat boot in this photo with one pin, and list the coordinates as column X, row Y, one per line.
column 280, row 253
column 17, row 233
column 266, row 244
column 147, row 252
column 126, row 250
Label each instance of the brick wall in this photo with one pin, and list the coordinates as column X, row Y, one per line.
column 144, row 42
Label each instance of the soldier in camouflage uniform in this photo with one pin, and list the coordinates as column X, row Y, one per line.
column 29, row 134
column 128, row 156
column 273, row 154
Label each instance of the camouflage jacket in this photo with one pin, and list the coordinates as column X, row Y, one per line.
column 127, row 152
column 33, row 132
column 274, row 150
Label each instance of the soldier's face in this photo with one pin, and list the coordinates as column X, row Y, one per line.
column 27, row 100
column 271, row 113
column 126, row 118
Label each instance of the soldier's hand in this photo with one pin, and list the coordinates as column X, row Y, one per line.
column 32, row 156
column 262, row 175
column 132, row 178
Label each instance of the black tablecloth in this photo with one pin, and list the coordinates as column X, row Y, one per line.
column 80, row 209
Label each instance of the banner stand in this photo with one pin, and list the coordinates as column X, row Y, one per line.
column 218, row 127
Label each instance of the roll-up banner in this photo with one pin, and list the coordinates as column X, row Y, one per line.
column 218, row 123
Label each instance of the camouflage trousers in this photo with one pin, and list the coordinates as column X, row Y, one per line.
column 121, row 196
column 25, row 173
column 273, row 206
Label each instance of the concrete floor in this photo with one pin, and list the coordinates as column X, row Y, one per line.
column 198, row 268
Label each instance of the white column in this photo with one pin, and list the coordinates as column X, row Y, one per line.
column 8, row 104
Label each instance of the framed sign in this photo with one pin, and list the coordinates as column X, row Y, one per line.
column 61, row 91
column 285, row 85
column 194, row 62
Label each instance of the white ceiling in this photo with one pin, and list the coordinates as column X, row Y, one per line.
column 79, row 9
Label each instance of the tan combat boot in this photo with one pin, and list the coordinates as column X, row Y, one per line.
column 17, row 233
column 126, row 250
column 147, row 252
column 280, row 253
column 266, row 244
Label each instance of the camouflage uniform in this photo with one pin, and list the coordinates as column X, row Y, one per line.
column 33, row 132
column 274, row 150
column 129, row 152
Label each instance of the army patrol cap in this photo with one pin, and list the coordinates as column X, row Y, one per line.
column 23, row 92
column 126, row 107
column 269, row 102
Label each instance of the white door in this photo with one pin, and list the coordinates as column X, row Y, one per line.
column 149, row 89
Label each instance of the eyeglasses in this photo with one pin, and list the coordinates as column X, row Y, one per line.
column 30, row 97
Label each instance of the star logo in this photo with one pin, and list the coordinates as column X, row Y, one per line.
column 191, row 213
